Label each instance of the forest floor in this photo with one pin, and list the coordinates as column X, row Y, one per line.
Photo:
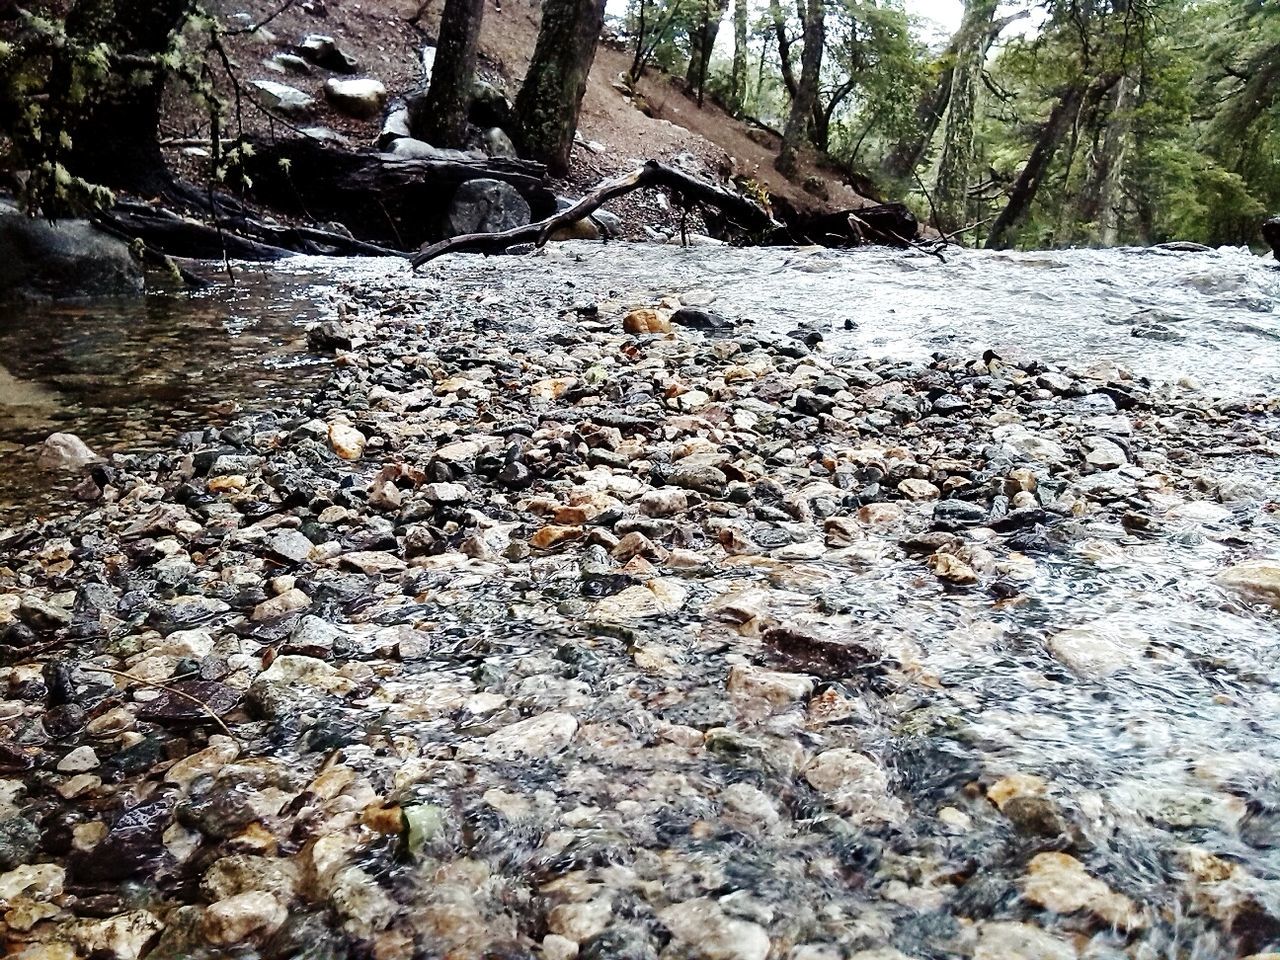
column 616, row 134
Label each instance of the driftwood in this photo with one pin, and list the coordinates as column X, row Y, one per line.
column 740, row 212
column 387, row 201
column 890, row 224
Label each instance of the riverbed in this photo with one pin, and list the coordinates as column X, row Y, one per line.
column 923, row 611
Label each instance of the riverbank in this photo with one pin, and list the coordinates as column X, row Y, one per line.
column 535, row 636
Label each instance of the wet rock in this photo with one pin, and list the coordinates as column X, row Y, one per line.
column 698, row 319
column 18, row 840
column 486, row 206
column 646, row 320
column 536, row 737
column 190, row 701
column 124, row 937
column 1257, row 581
column 655, row 598
column 347, row 442
column 701, row 928
column 498, row 144
column 66, row 259
column 1099, row 649
column 243, row 918
column 362, row 99
column 65, row 452
column 778, row 689
column 40, row 881
column 957, row 514
column 1007, row 940
column 1060, row 883
column 855, row 785
column 289, row 602
column 1102, row 454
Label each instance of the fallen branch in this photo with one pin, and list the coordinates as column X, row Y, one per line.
column 739, row 210
column 168, row 689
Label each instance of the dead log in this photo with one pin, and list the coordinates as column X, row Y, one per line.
column 740, row 212
column 889, row 224
column 383, row 200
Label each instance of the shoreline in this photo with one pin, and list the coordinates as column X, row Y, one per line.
column 537, row 637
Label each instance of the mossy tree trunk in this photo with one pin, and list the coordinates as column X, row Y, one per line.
column 550, row 99
column 702, row 40
column 441, row 119
column 738, row 79
column 114, row 132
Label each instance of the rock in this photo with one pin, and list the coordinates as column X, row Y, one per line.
column 498, row 144
column 667, row 502
column 655, row 598
column 1015, row 786
column 347, row 442
column 918, row 490
column 64, row 451
column 290, row 546
column 243, row 918
column 290, row 63
column 362, row 99
column 1104, row 454
column 779, row 689
column 698, row 319
column 580, row 921
column 610, row 224
column 40, row 881
column 1271, row 233
column 18, row 840
column 448, row 493
column 854, row 784
column 486, row 206
column 395, row 126
column 283, row 99
column 947, row 567
column 372, row 563
column 78, row 760
column 1059, row 882
column 409, row 148
column 701, row 929
column 578, row 230
column 957, row 514
column 324, row 52
column 1255, row 580
column 646, row 320
column 291, row 601
column 122, row 937
column 66, row 259
column 1099, row 649
column 1007, row 940
column 536, row 737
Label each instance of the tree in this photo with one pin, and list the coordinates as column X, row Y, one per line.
column 702, row 40
column 80, row 99
column 805, row 97
column 738, row 79
column 550, row 99
column 951, row 185
column 441, row 118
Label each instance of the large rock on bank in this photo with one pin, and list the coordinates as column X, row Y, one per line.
column 67, row 259
column 486, row 206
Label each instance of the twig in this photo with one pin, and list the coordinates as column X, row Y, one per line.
column 160, row 686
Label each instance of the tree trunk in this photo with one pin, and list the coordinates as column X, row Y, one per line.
column 441, row 119
column 951, row 186
column 738, row 83
column 906, row 155
column 784, row 49
column 550, row 99
column 806, row 96
column 1060, row 122
column 702, row 41
column 1099, row 203
column 116, row 141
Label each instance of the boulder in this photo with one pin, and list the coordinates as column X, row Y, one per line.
column 407, row 148
column 394, row 126
column 283, row 99
column 67, row 259
column 362, row 99
column 65, row 451
column 489, row 105
column 324, row 52
column 486, row 206
column 1271, row 234
column 498, row 144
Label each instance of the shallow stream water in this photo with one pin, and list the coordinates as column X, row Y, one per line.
column 1178, row 747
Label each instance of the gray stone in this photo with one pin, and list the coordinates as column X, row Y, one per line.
column 610, row 224
column 394, row 126
column 65, row 451
column 324, row 52
column 363, row 98
column 283, row 99
column 498, row 144
column 408, row 148
column 68, row 259
column 486, row 206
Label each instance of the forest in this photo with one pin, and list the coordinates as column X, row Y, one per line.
column 1038, row 124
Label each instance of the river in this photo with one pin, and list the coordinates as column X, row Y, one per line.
column 1097, row 698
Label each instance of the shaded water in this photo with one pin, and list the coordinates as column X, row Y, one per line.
column 131, row 375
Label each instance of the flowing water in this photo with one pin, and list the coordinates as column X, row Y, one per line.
column 1178, row 749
